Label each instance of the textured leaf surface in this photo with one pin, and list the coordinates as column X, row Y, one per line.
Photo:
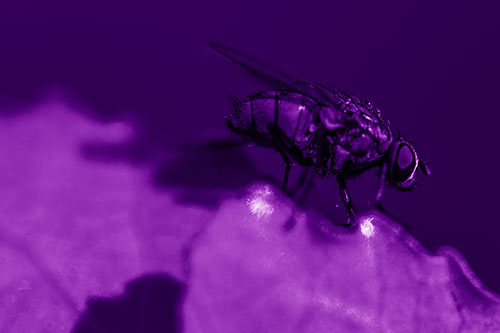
column 252, row 271
column 73, row 228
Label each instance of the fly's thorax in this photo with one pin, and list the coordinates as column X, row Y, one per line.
column 331, row 118
column 377, row 128
column 352, row 115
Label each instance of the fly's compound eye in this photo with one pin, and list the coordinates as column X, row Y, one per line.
column 404, row 165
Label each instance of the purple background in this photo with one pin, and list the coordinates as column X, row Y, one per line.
column 431, row 67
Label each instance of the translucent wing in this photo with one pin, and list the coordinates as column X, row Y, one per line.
column 277, row 78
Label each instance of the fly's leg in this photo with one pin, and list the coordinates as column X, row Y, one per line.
column 279, row 146
column 287, row 149
column 381, row 178
column 305, row 182
column 302, row 179
column 344, row 194
column 287, row 145
column 288, row 164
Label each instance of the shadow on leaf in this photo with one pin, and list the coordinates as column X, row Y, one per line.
column 149, row 304
column 204, row 177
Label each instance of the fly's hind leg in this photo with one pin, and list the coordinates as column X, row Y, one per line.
column 304, row 183
column 288, row 166
column 287, row 149
column 344, row 194
column 279, row 146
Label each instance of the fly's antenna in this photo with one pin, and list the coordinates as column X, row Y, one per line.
column 398, row 134
column 424, row 166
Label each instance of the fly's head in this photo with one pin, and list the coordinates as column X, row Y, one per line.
column 403, row 163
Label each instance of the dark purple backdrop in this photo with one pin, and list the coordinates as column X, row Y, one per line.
column 431, row 67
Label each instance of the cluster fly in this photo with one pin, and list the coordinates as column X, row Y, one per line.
column 333, row 131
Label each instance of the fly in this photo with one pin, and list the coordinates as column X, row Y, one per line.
column 326, row 128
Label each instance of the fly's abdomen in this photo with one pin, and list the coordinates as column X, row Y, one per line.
column 293, row 113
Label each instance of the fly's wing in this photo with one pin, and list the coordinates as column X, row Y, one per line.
column 344, row 98
column 275, row 77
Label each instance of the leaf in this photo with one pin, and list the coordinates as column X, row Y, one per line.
column 73, row 229
column 249, row 274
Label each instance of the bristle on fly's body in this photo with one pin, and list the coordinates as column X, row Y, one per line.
column 235, row 102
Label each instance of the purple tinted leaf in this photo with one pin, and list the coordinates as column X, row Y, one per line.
column 72, row 227
column 249, row 274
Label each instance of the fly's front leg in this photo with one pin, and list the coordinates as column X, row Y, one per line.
column 344, row 194
column 381, row 178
